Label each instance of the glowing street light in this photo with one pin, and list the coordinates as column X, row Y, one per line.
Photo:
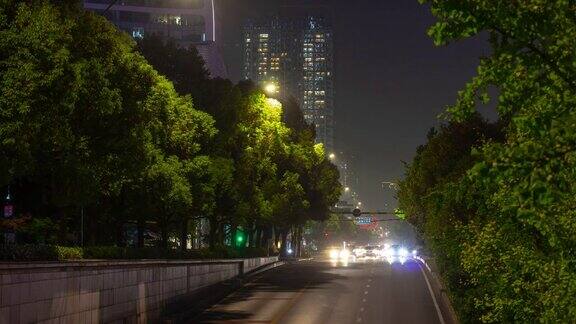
column 271, row 88
column 332, row 156
column 346, row 189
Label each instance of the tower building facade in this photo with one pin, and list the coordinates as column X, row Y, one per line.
column 187, row 22
column 296, row 54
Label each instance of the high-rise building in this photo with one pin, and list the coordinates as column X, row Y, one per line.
column 296, row 54
column 187, row 22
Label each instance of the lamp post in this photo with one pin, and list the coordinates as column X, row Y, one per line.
column 271, row 89
column 8, row 212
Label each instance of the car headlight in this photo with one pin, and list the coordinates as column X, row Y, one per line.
column 344, row 254
column 334, row 254
column 403, row 252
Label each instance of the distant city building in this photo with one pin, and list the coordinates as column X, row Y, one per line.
column 296, row 54
column 187, row 22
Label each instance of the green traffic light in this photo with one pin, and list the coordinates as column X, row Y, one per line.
column 239, row 238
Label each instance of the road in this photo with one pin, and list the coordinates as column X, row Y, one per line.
column 323, row 292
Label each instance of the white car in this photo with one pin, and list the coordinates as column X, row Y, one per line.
column 341, row 254
column 398, row 253
column 368, row 252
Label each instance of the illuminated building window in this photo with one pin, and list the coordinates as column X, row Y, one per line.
column 138, row 32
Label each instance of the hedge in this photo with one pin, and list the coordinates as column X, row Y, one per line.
column 28, row 252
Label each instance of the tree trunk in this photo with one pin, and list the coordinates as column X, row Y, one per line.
column 249, row 236
column 212, row 236
column 300, row 230
column 276, row 236
column 296, row 241
column 184, row 235
column 119, row 234
column 141, row 229
column 260, row 237
column 222, row 234
column 284, row 245
column 91, row 227
column 164, row 236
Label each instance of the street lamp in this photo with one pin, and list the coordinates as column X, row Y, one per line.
column 271, row 88
column 346, row 189
column 332, row 156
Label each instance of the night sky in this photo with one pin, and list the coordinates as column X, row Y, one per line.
column 391, row 81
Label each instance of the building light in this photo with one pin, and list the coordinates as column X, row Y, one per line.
column 138, row 32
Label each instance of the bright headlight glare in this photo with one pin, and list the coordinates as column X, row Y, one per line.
column 403, row 252
column 344, row 254
column 414, row 252
column 333, row 254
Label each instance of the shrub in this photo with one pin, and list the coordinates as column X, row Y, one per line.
column 29, row 252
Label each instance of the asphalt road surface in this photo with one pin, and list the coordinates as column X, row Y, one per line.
column 325, row 292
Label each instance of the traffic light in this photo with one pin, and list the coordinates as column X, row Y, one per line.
column 240, row 238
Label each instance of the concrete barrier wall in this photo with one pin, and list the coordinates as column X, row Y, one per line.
column 104, row 291
column 255, row 263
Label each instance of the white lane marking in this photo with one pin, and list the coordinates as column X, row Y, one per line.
column 424, row 262
column 367, row 286
column 440, row 317
column 365, row 293
column 362, row 309
column 363, row 300
column 359, row 320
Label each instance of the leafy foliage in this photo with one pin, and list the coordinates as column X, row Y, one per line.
column 513, row 235
column 126, row 133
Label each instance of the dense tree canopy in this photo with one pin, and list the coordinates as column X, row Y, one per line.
column 280, row 177
column 518, row 243
column 87, row 123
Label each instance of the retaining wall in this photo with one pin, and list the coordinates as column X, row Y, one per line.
column 105, row 291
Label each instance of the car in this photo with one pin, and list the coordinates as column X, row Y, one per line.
column 338, row 253
column 396, row 252
column 359, row 252
column 368, row 252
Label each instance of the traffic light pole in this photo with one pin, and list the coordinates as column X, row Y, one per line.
column 357, row 213
column 364, row 213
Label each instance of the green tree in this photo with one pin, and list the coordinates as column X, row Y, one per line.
column 439, row 201
column 266, row 152
column 519, row 244
column 85, row 120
